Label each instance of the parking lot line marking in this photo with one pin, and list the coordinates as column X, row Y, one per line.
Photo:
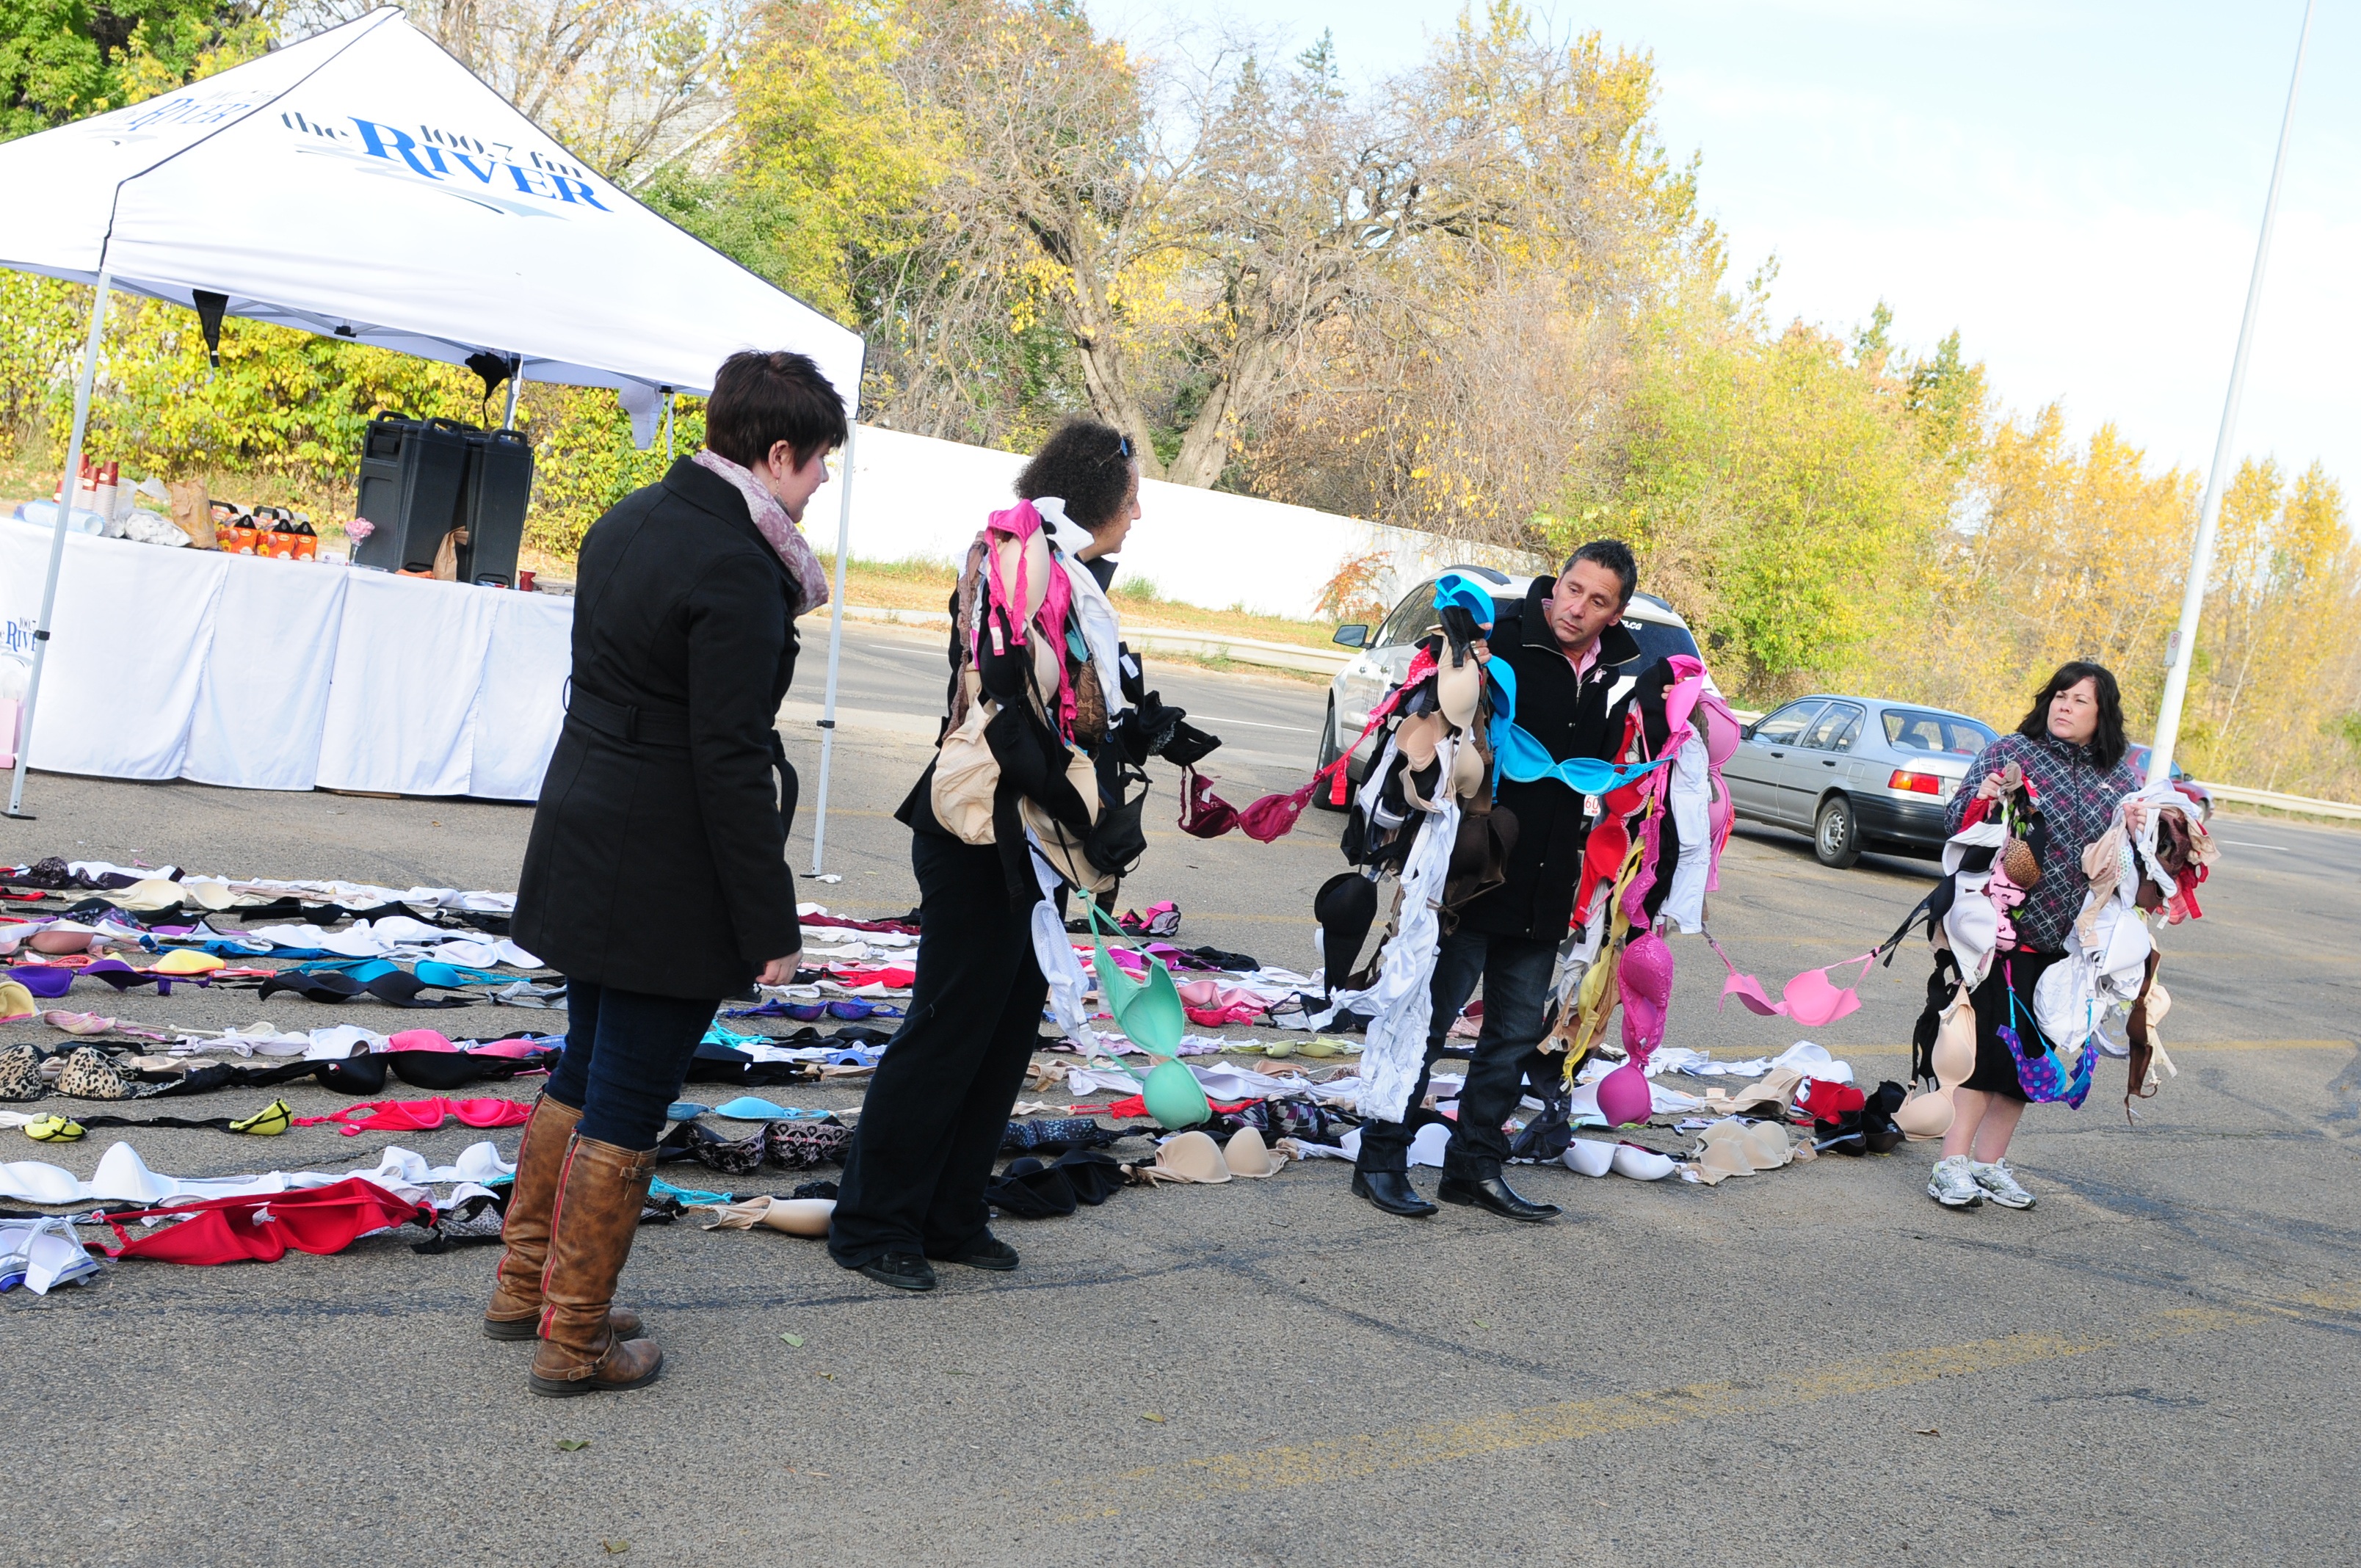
column 1889, row 1049
column 1361, row 1455
column 1258, row 724
column 1261, row 919
column 2263, row 1046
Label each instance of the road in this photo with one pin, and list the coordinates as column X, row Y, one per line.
column 2159, row 1363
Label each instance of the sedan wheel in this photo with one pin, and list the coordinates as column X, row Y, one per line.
column 1836, row 837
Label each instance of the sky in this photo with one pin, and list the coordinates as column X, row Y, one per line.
column 2076, row 187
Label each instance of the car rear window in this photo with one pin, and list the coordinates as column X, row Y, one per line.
column 1911, row 730
column 2140, row 752
column 1658, row 641
column 1836, row 730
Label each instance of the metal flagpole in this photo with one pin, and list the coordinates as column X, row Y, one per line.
column 67, row 491
column 2209, row 510
column 835, row 634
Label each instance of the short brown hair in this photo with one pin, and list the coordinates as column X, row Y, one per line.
column 762, row 399
column 1612, row 555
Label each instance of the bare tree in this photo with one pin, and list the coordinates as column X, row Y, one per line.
column 626, row 84
column 1206, row 251
column 1468, row 384
column 1188, row 254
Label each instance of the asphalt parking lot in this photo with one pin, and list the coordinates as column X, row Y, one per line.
column 2158, row 1364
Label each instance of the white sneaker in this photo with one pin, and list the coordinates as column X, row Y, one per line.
column 1955, row 1185
column 2000, row 1184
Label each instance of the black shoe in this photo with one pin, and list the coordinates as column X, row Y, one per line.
column 902, row 1270
column 1496, row 1195
column 990, row 1253
column 1391, row 1190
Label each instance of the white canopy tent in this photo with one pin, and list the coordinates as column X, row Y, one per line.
column 363, row 184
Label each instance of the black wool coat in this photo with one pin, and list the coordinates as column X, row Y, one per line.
column 1570, row 718
column 658, row 856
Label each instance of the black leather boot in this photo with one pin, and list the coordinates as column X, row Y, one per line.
column 1497, row 1195
column 1391, row 1190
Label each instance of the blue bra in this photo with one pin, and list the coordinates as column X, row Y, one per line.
column 1515, row 753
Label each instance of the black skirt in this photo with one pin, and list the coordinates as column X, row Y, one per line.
column 2019, row 970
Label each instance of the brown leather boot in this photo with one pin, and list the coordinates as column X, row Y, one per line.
column 596, row 1210
column 515, row 1311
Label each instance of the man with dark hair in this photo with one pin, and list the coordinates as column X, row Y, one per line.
column 1615, row 556
column 1568, row 643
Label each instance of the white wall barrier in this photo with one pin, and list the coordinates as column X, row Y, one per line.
column 917, row 499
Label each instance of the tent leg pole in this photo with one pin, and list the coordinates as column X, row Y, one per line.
column 516, row 385
column 669, row 396
column 2208, row 510
column 835, row 648
column 67, row 489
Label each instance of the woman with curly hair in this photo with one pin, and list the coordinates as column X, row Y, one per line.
column 1033, row 644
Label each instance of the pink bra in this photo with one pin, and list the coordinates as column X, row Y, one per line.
column 1207, row 816
column 1645, row 977
column 422, row 1115
column 1811, row 999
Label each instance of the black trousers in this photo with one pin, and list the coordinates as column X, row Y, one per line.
column 626, row 1054
column 1516, row 975
column 938, row 1108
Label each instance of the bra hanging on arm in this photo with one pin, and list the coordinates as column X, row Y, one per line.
column 1810, row 999
column 1517, row 755
column 1929, row 1113
column 1152, row 1016
column 1205, row 814
column 2039, row 1071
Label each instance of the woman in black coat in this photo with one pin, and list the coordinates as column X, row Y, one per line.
column 656, row 877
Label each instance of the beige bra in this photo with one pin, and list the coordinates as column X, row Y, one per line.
column 1195, row 1157
column 1927, row 1114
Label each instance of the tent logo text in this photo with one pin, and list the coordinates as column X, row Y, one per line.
column 453, row 158
column 188, row 109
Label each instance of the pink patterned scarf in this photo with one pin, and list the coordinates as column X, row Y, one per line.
column 772, row 520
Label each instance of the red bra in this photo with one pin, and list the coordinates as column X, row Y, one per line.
column 261, row 1227
column 1205, row 814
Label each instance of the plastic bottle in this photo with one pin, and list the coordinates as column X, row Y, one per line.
column 103, row 492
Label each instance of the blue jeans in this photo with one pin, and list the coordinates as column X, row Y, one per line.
column 626, row 1056
column 1516, row 975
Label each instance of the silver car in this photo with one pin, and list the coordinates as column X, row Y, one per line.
column 1382, row 660
column 1854, row 772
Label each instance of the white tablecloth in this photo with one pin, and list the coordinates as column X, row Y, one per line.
column 284, row 674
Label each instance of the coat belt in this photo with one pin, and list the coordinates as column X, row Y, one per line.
column 632, row 726
column 667, row 728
